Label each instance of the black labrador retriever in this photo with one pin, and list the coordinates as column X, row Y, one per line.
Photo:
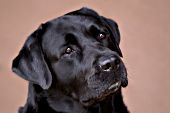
column 73, row 65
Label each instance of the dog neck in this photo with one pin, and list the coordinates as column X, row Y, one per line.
column 39, row 102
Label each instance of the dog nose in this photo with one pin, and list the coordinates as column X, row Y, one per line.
column 109, row 64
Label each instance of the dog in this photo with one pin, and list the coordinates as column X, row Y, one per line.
column 73, row 65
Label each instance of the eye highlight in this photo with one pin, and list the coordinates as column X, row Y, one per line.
column 101, row 36
column 68, row 50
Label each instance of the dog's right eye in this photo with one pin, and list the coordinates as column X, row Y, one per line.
column 68, row 50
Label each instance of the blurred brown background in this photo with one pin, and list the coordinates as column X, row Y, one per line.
column 145, row 30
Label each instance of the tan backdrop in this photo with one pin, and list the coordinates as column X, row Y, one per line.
column 145, row 31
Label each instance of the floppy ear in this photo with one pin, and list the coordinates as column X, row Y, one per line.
column 110, row 24
column 115, row 34
column 30, row 63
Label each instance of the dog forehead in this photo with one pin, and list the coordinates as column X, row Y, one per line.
column 68, row 23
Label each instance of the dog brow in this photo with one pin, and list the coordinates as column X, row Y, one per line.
column 71, row 39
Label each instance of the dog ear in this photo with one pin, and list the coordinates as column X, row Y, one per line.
column 110, row 24
column 115, row 34
column 30, row 63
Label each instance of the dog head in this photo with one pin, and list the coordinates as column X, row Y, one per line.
column 77, row 55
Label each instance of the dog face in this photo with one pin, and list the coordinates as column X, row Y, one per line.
column 77, row 55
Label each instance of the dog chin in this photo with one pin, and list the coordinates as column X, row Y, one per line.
column 111, row 90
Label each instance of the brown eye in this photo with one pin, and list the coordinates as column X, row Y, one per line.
column 68, row 50
column 101, row 36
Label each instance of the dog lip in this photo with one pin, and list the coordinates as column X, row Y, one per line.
column 115, row 86
column 112, row 89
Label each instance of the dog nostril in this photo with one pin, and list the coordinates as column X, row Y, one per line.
column 116, row 64
column 117, row 61
column 106, row 67
column 115, row 67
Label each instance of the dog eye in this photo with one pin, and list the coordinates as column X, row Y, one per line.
column 101, row 36
column 68, row 50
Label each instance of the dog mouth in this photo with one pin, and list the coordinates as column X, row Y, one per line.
column 104, row 84
column 110, row 90
column 115, row 86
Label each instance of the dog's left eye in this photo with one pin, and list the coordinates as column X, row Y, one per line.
column 101, row 36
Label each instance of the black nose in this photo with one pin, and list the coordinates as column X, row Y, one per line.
column 108, row 64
